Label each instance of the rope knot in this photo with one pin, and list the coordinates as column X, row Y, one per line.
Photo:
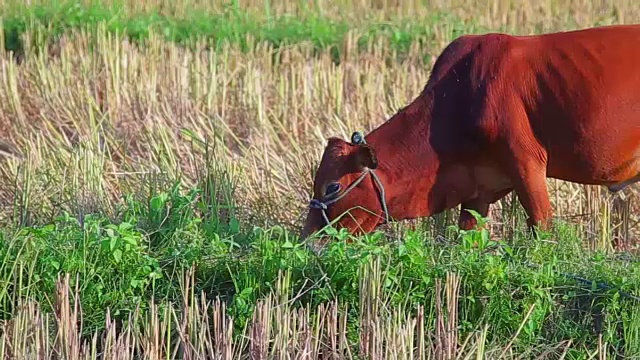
column 317, row 204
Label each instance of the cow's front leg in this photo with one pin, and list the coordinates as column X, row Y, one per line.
column 481, row 205
column 466, row 221
column 529, row 180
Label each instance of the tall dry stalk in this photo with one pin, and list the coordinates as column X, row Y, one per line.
column 446, row 334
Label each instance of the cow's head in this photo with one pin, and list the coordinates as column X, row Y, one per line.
column 346, row 189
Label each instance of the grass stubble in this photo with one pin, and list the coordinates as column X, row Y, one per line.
column 95, row 117
column 202, row 329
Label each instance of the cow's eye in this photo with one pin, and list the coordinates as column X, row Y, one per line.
column 332, row 188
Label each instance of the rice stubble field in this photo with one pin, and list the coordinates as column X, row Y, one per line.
column 154, row 205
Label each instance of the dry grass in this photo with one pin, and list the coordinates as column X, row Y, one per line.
column 93, row 124
column 96, row 117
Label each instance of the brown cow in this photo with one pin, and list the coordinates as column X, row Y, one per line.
column 499, row 113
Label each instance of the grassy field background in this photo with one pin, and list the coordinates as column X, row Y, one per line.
column 163, row 137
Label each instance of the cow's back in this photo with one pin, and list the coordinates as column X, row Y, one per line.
column 575, row 94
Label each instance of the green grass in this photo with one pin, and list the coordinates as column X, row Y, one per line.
column 234, row 25
column 121, row 265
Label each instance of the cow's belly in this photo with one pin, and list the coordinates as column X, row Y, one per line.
column 601, row 162
column 592, row 133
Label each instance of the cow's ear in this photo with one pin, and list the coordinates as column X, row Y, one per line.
column 365, row 156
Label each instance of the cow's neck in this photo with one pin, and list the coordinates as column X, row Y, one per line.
column 407, row 163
